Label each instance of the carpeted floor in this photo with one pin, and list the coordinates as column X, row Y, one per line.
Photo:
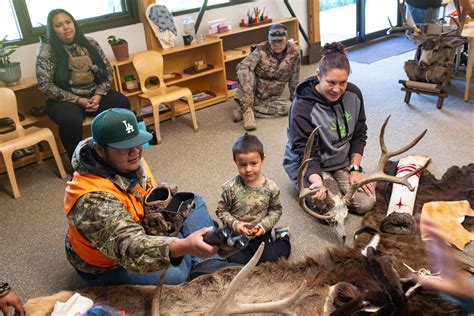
column 381, row 49
column 32, row 228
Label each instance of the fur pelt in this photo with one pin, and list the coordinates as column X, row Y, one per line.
column 273, row 281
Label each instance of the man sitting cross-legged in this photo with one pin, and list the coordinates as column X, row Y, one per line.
column 104, row 204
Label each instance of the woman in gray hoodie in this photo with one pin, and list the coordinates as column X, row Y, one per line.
column 330, row 101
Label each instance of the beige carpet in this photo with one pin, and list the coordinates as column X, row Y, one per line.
column 32, row 228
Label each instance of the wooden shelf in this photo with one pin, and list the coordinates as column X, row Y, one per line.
column 181, row 108
column 244, row 29
column 231, row 93
column 28, row 160
column 236, row 43
column 175, row 60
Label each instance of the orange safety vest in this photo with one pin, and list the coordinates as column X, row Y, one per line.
column 82, row 184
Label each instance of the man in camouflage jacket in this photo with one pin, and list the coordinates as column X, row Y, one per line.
column 105, row 242
column 263, row 75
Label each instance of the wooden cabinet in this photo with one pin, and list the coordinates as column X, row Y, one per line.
column 175, row 61
column 236, row 43
column 27, row 96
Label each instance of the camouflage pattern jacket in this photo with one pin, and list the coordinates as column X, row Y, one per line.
column 46, row 67
column 264, row 73
column 104, row 221
column 239, row 202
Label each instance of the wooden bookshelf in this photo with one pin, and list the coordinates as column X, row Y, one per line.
column 236, row 43
column 175, row 60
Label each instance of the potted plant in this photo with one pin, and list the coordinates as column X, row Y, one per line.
column 10, row 72
column 119, row 47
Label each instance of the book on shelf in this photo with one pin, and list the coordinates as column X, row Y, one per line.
column 232, row 84
column 148, row 110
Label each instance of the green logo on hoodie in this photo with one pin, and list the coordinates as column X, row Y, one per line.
column 342, row 127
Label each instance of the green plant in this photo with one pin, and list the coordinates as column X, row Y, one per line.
column 5, row 52
column 112, row 40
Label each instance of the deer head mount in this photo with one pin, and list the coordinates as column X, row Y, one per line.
column 338, row 210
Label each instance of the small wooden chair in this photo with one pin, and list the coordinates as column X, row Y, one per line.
column 149, row 65
column 22, row 138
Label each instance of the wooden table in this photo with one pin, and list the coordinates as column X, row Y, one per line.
column 468, row 31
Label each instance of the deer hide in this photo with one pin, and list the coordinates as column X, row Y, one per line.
column 273, row 281
column 448, row 216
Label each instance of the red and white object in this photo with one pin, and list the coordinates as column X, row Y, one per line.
column 402, row 199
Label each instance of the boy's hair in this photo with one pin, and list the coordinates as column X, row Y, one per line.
column 247, row 143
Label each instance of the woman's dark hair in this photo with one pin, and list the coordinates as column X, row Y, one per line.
column 334, row 56
column 62, row 74
column 247, row 143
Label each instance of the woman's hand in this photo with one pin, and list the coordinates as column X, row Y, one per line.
column 356, row 176
column 317, row 184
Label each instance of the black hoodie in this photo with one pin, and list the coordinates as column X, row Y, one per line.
column 333, row 147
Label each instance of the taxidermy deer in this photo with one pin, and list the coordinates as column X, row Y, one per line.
column 434, row 57
column 337, row 204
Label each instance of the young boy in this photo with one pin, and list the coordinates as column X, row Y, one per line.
column 250, row 204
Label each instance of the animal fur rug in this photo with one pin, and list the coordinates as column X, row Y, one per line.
column 274, row 281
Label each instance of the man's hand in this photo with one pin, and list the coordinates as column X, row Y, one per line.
column 193, row 245
column 11, row 299
column 317, row 184
column 356, row 176
column 243, row 228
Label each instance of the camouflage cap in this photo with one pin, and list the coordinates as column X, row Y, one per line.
column 118, row 128
column 277, row 32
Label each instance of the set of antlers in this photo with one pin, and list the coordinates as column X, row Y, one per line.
column 227, row 305
column 377, row 175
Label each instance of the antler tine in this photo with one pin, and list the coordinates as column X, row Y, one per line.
column 280, row 306
column 221, row 305
column 385, row 154
column 224, row 307
column 304, row 192
column 378, row 174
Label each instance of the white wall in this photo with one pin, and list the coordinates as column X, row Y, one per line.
column 135, row 36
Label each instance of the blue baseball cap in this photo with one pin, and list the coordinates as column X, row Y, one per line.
column 118, row 128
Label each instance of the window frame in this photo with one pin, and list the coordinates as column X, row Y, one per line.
column 211, row 7
column 31, row 34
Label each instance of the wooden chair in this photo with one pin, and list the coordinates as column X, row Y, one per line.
column 22, row 138
column 149, row 65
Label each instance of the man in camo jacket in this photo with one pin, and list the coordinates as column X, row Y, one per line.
column 263, row 75
column 104, row 201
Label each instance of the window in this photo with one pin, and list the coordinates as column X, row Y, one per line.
column 25, row 20
column 178, row 7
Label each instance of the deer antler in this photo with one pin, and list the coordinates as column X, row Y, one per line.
column 304, row 192
column 379, row 175
column 224, row 307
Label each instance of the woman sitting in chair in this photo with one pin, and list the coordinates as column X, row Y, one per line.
column 75, row 75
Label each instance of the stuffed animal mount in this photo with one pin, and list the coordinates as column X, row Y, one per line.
column 337, row 205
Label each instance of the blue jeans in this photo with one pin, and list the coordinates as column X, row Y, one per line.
column 197, row 219
column 419, row 15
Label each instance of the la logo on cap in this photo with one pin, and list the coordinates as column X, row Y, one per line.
column 128, row 127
